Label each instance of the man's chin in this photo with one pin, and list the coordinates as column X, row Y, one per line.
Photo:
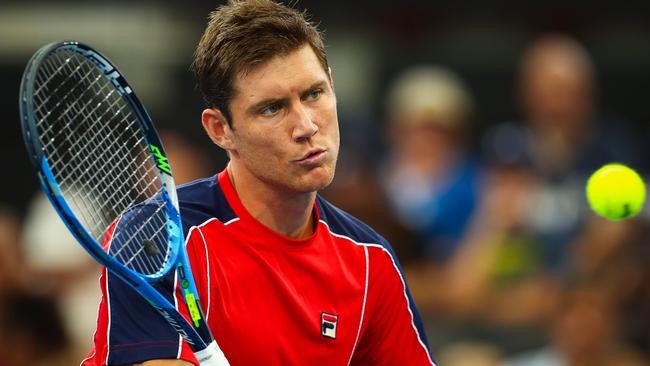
column 317, row 179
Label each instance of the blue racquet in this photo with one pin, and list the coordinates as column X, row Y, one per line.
column 101, row 164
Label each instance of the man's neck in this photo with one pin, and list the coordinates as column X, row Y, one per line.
column 289, row 214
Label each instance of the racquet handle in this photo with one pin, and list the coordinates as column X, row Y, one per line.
column 212, row 356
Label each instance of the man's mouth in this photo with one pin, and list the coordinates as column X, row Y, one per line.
column 312, row 157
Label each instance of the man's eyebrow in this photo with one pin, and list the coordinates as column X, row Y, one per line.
column 316, row 85
column 264, row 102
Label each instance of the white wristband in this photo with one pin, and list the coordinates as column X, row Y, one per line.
column 211, row 356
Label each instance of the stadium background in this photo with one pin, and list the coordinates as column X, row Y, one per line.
column 368, row 43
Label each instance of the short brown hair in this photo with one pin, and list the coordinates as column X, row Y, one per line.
column 243, row 34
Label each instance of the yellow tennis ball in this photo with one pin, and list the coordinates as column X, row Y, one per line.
column 615, row 192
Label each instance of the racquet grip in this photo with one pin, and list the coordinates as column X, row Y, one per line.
column 211, row 356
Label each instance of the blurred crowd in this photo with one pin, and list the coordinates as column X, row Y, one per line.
column 506, row 262
column 49, row 287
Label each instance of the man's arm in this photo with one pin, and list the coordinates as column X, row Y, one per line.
column 130, row 330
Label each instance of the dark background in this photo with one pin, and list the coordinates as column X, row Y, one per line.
column 368, row 44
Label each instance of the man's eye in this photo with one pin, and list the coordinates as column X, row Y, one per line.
column 314, row 94
column 270, row 109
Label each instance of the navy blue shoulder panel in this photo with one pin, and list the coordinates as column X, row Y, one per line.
column 342, row 223
column 137, row 332
column 201, row 200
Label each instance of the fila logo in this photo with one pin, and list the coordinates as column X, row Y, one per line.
column 328, row 323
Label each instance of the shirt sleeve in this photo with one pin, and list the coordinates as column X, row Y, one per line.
column 129, row 330
column 392, row 332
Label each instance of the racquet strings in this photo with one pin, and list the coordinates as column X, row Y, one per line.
column 100, row 159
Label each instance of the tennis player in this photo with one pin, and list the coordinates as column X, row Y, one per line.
column 285, row 277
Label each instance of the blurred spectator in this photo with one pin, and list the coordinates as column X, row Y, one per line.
column 532, row 235
column 620, row 270
column 562, row 141
column 470, row 354
column 58, row 274
column 495, row 288
column 187, row 160
column 31, row 327
column 498, row 275
column 430, row 179
column 568, row 138
column 584, row 332
column 59, row 266
column 32, row 331
column 11, row 269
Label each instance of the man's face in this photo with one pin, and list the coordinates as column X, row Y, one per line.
column 284, row 123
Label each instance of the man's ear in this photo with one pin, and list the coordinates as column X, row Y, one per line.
column 329, row 74
column 217, row 127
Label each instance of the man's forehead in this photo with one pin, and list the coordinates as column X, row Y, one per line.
column 300, row 66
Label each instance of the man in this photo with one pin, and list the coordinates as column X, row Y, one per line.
column 285, row 278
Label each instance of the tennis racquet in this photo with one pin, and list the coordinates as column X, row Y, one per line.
column 102, row 165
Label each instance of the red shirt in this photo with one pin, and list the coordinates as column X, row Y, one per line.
column 335, row 298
